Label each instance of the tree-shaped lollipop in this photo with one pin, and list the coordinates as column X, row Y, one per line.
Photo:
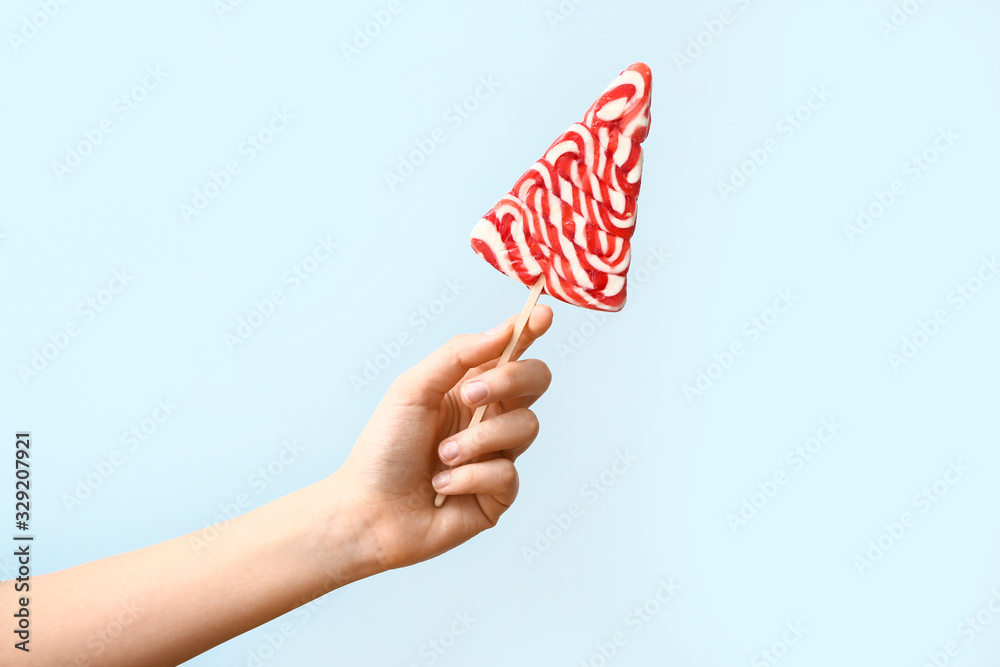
column 565, row 225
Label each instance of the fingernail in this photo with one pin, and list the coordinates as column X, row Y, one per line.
column 497, row 329
column 449, row 451
column 441, row 480
column 475, row 391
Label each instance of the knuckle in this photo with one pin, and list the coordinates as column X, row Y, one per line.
column 519, row 373
column 530, row 421
column 476, row 441
column 455, row 344
column 546, row 374
column 506, row 472
column 463, row 478
column 402, row 384
column 535, row 371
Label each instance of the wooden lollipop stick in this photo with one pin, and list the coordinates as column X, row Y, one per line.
column 522, row 321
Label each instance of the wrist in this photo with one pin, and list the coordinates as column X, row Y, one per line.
column 347, row 548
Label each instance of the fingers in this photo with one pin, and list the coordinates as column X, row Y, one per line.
column 428, row 381
column 496, row 477
column 525, row 380
column 510, row 434
column 538, row 323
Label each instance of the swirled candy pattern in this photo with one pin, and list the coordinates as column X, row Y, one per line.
column 569, row 218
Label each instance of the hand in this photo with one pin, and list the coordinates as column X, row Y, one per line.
column 421, row 427
column 375, row 513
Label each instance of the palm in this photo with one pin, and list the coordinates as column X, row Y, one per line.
column 399, row 448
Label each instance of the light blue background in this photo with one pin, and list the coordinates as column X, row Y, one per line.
column 622, row 390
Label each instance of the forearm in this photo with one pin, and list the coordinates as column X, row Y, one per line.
column 168, row 602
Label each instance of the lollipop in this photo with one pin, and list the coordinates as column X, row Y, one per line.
column 564, row 227
column 568, row 220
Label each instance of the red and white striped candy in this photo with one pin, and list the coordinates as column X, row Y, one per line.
column 571, row 215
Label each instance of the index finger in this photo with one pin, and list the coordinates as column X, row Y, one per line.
column 538, row 323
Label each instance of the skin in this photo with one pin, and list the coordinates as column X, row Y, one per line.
column 374, row 514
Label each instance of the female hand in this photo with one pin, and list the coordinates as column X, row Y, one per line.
column 420, row 427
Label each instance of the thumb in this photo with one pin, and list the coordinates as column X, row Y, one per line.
column 426, row 383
